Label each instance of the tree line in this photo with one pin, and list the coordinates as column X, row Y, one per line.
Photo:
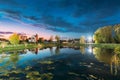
column 14, row 39
column 107, row 34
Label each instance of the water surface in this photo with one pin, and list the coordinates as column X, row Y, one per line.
column 61, row 63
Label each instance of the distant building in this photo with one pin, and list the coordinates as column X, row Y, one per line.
column 22, row 37
column 76, row 40
column 64, row 41
column 33, row 38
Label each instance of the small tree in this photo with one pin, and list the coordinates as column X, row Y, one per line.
column 14, row 39
column 51, row 38
column 57, row 38
column 82, row 40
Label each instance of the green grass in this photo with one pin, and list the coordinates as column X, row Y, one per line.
column 102, row 45
column 43, row 45
column 17, row 47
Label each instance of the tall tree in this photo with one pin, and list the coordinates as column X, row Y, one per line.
column 117, row 33
column 103, row 35
column 14, row 38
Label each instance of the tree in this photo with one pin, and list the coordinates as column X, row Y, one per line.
column 102, row 54
column 51, row 38
column 117, row 33
column 103, row 35
column 41, row 40
column 82, row 40
column 57, row 38
column 14, row 39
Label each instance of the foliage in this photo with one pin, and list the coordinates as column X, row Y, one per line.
column 103, row 35
column 117, row 33
column 3, row 44
column 57, row 38
column 14, row 39
column 117, row 50
column 51, row 38
column 108, row 34
column 82, row 40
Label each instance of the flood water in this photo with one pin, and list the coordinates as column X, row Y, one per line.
column 61, row 63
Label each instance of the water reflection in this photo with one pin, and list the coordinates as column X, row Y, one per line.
column 57, row 50
column 108, row 56
column 51, row 50
column 82, row 49
column 61, row 63
column 90, row 49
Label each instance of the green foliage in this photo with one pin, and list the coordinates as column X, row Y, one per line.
column 117, row 50
column 117, row 33
column 57, row 38
column 14, row 39
column 82, row 40
column 3, row 44
column 108, row 34
column 103, row 35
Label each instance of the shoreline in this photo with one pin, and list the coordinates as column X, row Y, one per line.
column 28, row 46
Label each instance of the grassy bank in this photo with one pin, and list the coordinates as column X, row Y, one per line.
column 27, row 46
column 101, row 45
column 17, row 47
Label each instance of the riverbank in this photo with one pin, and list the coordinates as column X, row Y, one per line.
column 17, row 47
column 101, row 45
column 28, row 46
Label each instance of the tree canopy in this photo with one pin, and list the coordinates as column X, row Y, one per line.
column 104, row 35
column 82, row 40
column 57, row 38
column 14, row 39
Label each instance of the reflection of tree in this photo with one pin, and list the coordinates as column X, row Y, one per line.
column 51, row 50
column 57, row 50
column 82, row 49
column 9, row 60
column 103, row 55
column 108, row 56
column 36, row 50
column 14, row 57
column 115, row 64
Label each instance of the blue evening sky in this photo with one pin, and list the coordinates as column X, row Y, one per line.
column 66, row 18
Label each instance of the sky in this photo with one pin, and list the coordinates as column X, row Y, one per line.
column 66, row 18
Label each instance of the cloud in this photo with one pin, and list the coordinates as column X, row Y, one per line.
column 8, row 2
column 33, row 18
column 64, row 15
column 11, row 13
column 56, row 21
column 100, row 8
column 1, row 32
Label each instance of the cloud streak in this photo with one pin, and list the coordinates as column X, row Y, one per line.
column 78, row 16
